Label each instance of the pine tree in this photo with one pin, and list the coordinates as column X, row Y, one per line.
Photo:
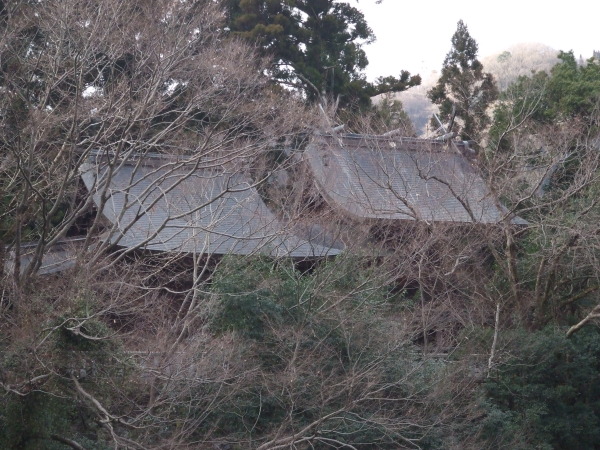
column 316, row 46
column 464, row 89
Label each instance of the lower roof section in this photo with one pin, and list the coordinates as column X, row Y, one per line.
column 171, row 205
column 57, row 258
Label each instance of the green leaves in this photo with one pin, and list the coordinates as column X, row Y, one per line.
column 569, row 91
column 316, row 47
column 542, row 395
column 463, row 88
column 573, row 90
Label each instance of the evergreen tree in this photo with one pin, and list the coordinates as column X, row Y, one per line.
column 569, row 93
column 573, row 89
column 464, row 89
column 316, row 46
column 389, row 114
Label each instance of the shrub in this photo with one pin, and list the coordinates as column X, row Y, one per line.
column 543, row 395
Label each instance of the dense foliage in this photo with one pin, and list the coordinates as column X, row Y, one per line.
column 316, row 47
column 464, row 91
column 541, row 396
column 419, row 335
column 569, row 93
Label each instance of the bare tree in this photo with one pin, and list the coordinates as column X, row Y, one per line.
column 103, row 88
column 549, row 173
column 144, row 138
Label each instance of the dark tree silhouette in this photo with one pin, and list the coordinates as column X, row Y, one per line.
column 464, row 89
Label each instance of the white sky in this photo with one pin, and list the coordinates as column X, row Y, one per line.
column 415, row 36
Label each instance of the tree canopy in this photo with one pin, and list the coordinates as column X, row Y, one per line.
column 573, row 89
column 316, row 47
column 463, row 88
column 143, row 118
column 568, row 93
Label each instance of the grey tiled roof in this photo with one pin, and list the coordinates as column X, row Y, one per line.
column 61, row 256
column 169, row 205
column 408, row 179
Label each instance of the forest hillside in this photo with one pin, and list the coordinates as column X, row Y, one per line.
column 179, row 271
